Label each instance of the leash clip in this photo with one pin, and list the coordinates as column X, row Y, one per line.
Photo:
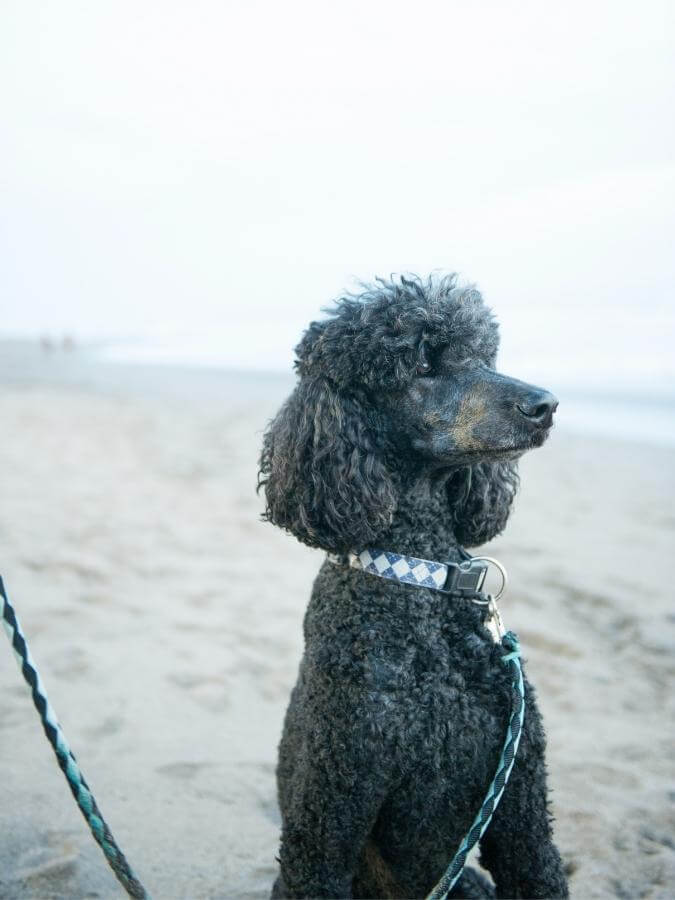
column 493, row 621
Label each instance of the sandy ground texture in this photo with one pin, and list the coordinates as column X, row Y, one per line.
column 166, row 622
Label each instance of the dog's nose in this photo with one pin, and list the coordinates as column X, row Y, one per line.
column 538, row 408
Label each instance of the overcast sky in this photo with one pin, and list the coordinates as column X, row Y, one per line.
column 212, row 173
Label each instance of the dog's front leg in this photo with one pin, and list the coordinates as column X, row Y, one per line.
column 339, row 783
column 518, row 848
column 326, row 828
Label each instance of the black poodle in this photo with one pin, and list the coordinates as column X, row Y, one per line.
column 400, row 435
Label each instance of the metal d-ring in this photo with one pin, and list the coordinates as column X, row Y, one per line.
column 502, row 572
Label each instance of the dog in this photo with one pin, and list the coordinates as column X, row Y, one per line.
column 401, row 435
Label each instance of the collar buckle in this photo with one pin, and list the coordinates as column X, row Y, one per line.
column 465, row 578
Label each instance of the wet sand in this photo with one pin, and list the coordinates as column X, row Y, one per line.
column 165, row 619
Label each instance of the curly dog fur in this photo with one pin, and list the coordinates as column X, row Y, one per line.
column 401, row 434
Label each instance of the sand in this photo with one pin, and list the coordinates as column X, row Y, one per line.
column 165, row 619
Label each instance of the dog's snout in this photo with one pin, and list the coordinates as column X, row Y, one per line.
column 538, row 408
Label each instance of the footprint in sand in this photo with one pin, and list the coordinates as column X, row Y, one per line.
column 47, row 869
column 183, row 770
column 555, row 648
column 109, row 726
column 70, row 662
column 209, row 691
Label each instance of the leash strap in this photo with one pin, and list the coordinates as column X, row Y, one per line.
column 64, row 755
column 512, row 659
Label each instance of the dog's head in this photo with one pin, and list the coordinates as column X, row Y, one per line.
column 400, row 378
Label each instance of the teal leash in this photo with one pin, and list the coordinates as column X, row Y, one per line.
column 64, row 755
column 506, row 761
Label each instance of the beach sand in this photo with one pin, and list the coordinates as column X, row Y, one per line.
column 165, row 620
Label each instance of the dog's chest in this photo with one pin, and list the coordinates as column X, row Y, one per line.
column 451, row 724
column 444, row 694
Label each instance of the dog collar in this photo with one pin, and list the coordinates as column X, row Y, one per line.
column 463, row 579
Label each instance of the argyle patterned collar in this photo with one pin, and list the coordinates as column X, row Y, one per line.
column 463, row 579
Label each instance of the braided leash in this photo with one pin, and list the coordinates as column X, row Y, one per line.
column 496, row 789
column 64, row 755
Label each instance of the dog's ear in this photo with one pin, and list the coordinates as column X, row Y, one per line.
column 480, row 498
column 323, row 476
